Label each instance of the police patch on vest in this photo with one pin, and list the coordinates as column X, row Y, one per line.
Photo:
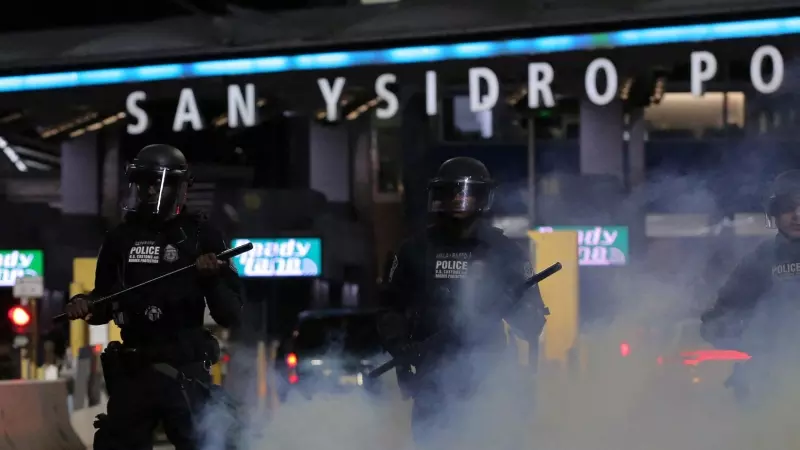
column 786, row 270
column 452, row 265
column 144, row 252
column 170, row 254
column 153, row 313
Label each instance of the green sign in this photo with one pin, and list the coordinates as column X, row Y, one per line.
column 598, row 246
column 20, row 263
column 280, row 257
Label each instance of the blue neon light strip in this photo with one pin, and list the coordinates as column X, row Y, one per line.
column 405, row 55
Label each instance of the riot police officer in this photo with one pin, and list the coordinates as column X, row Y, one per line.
column 756, row 309
column 458, row 273
column 160, row 372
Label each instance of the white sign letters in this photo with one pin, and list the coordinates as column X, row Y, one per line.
column 241, row 110
column 484, row 84
column 601, row 86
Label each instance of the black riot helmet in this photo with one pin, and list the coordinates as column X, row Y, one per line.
column 158, row 179
column 461, row 185
column 784, row 197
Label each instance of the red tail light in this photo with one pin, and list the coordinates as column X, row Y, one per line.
column 624, row 349
column 291, row 360
column 696, row 357
column 293, row 378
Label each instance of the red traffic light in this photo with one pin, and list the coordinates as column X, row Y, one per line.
column 19, row 316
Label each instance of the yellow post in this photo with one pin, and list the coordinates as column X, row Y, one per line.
column 114, row 333
column 83, row 275
column 274, row 402
column 24, row 365
column 216, row 374
column 560, row 291
column 34, row 333
column 261, row 373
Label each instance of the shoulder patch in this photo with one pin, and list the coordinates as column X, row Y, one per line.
column 395, row 263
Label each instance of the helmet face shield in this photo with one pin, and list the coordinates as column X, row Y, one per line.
column 779, row 205
column 784, row 198
column 157, row 191
column 462, row 196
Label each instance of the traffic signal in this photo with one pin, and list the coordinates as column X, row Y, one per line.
column 20, row 318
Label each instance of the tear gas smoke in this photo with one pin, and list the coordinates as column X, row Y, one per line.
column 647, row 399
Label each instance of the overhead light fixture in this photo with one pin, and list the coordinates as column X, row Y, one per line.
column 68, row 125
column 13, row 117
column 350, row 111
column 222, row 119
column 37, row 165
column 95, row 126
column 12, row 156
column 517, row 96
column 362, row 108
column 659, row 89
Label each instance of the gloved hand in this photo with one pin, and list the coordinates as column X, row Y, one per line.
column 208, row 265
column 100, row 420
column 79, row 307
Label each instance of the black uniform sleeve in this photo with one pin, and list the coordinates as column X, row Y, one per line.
column 224, row 293
column 723, row 323
column 106, row 279
column 529, row 316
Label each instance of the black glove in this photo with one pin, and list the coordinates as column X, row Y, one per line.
column 79, row 307
column 100, row 420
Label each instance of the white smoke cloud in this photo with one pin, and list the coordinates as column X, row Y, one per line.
column 647, row 400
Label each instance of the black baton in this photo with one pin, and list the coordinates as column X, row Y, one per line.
column 518, row 292
column 227, row 254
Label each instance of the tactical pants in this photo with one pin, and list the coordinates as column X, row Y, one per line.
column 140, row 401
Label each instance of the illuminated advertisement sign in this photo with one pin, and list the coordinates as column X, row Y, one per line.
column 598, row 246
column 280, row 257
column 20, row 263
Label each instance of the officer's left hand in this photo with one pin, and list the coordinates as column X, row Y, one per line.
column 208, row 264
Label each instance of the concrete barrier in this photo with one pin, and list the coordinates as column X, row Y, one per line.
column 33, row 416
column 82, row 422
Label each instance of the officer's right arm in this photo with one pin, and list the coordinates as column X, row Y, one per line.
column 106, row 278
column 723, row 323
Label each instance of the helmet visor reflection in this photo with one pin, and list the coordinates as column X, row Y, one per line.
column 459, row 196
